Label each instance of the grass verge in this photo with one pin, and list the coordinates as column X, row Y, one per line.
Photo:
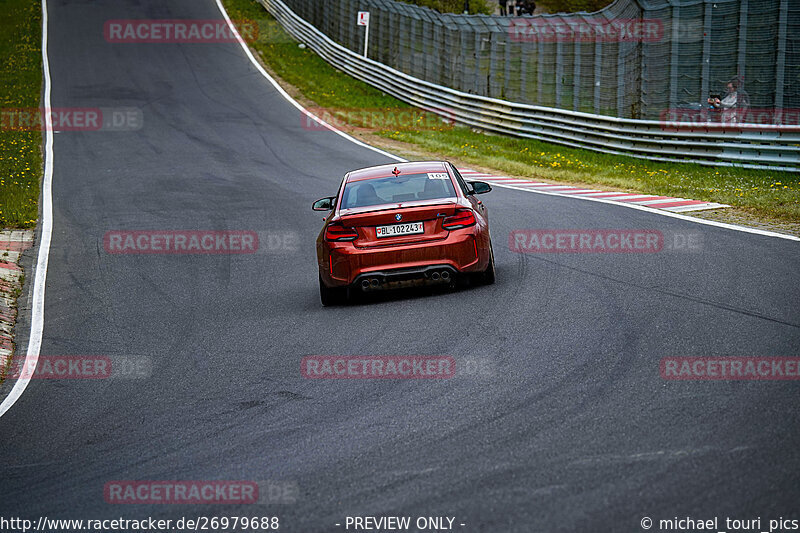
column 765, row 195
column 20, row 151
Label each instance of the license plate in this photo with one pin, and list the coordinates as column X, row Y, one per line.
column 394, row 230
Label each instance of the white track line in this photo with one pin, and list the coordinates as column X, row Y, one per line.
column 291, row 100
column 654, row 211
column 37, row 301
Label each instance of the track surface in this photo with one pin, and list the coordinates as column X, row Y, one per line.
column 569, row 426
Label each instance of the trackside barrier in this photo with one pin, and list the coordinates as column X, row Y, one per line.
column 772, row 147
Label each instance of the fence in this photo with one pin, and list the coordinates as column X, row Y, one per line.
column 633, row 59
column 413, row 55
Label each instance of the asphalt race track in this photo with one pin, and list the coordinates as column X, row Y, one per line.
column 557, row 418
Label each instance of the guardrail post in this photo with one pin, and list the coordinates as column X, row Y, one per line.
column 598, row 73
column 439, row 46
column 352, row 29
column 576, row 76
column 742, row 52
column 540, row 72
column 412, row 45
column 780, row 64
column 477, row 73
column 559, row 70
column 644, row 77
column 523, row 72
column 673, row 57
column 464, row 51
column 388, row 39
column 506, row 66
column 493, row 60
column 426, row 43
column 621, row 79
column 708, row 15
column 326, row 18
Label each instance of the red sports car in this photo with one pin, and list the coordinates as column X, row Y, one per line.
column 401, row 225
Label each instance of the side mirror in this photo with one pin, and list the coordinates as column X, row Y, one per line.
column 324, row 204
column 480, row 187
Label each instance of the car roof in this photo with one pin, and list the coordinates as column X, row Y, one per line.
column 383, row 171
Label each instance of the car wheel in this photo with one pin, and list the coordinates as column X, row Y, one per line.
column 332, row 296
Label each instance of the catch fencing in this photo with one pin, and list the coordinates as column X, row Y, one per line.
column 631, row 79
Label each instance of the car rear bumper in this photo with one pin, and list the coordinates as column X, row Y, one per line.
column 344, row 264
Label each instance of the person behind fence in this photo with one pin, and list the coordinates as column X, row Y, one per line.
column 525, row 7
column 503, row 7
column 733, row 105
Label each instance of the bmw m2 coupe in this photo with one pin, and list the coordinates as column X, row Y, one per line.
column 408, row 224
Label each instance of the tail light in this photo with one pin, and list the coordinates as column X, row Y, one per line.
column 462, row 219
column 338, row 232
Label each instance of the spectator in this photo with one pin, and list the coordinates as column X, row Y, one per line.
column 526, row 7
column 503, row 7
column 733, row 105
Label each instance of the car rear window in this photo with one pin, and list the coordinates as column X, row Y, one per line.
column 392, row 190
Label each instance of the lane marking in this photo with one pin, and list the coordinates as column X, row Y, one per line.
column 37, row 300
column 654, row 211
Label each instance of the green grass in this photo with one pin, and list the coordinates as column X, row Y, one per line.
column 775, row 194
column 304, row 69
column 21, row 75
column 769, row 194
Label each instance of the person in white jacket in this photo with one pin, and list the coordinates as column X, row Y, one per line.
column 733, row 105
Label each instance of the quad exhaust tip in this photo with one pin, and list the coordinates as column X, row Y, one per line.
column 437, row 276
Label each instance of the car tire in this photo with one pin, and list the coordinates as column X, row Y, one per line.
column 332, row 296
